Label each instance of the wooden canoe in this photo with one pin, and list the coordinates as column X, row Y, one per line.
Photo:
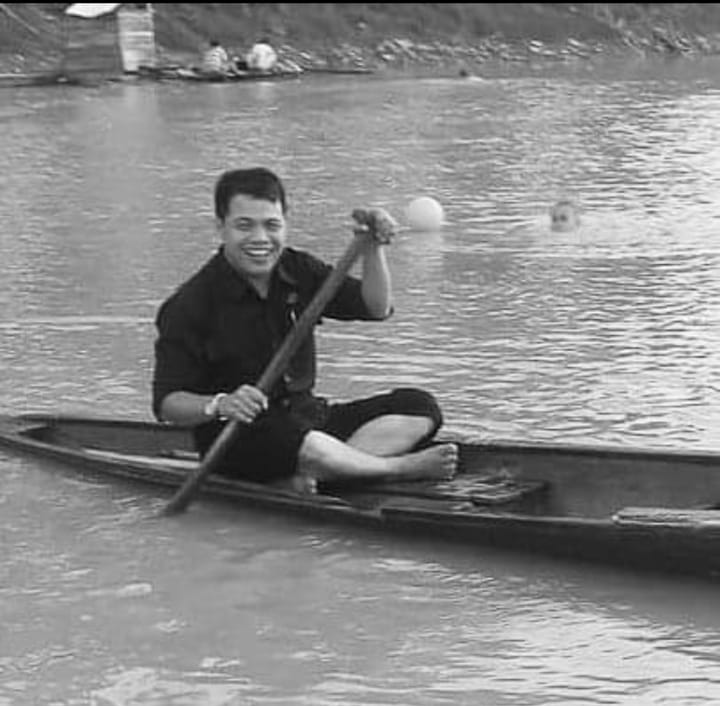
column 191, row 74
column 644, row 509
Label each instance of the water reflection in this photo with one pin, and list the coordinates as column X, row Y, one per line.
column 199, row 610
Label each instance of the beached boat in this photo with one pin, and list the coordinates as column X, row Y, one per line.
column 192, row 74
column 43, row 78
column 346, row 70
column 639, row 508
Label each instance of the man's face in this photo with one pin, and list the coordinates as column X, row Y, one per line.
column 254, row 234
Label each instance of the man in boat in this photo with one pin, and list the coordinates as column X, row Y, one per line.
column 262, row 56
column 216, row 61
column 220, row 329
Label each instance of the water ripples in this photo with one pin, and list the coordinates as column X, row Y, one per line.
column 608, row 334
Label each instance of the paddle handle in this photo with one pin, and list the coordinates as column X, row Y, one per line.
column 311, row 314
column 274, row 370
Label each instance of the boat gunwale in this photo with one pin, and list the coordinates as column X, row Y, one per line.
column 601, row 451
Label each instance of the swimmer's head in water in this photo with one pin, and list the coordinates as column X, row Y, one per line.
column 564, row 217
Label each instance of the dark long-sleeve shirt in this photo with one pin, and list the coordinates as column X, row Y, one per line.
column 216, row 333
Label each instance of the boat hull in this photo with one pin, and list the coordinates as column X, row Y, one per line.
column 183, row 74
column 639, row 509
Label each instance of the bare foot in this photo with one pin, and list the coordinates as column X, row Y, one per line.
column 299, row 483
column 434, row 463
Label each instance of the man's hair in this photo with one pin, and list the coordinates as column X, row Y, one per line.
column 258, row 183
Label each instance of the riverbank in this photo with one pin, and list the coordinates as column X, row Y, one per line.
column 412, row 38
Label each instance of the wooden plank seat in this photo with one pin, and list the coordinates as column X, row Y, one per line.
column 667, row 517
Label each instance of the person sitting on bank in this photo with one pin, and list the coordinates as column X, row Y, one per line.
column 261, row 57
column 215, row 60
column 564, row 216
column 218, row 331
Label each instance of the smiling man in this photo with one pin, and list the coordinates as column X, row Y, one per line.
column 220, row 329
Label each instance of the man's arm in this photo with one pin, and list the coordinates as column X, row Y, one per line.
column 186, row 408
column 190, row 408
column 180, row 366
column 376, row 281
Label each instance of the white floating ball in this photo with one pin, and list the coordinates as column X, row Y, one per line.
column 425, row 213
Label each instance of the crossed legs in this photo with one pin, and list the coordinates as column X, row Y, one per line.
column 381, row 448
column 380, row 437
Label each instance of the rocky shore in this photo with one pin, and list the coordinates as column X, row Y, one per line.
column 575, row 37
column 406, row 54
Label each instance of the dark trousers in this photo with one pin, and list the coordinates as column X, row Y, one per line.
column 267, row 449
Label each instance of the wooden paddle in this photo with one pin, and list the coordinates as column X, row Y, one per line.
column 364, row 232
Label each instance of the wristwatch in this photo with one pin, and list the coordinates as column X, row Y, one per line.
column 212, row 408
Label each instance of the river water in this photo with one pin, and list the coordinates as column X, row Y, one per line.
column 607, row 335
